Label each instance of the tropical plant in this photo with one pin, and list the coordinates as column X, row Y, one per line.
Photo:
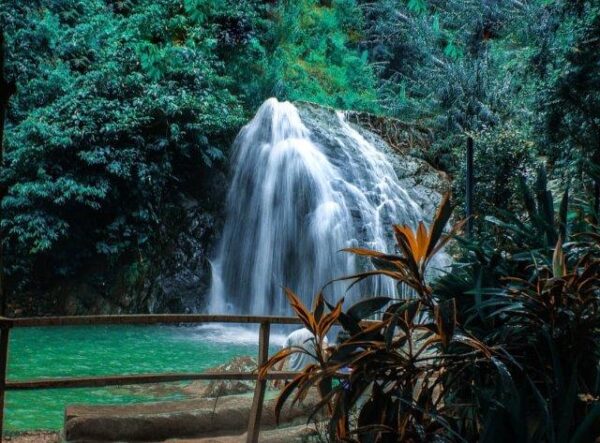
column 540, row 303
column 549, row 322
column 417, row 248
column 405, row 368
column 506, row 347
column 319, row 323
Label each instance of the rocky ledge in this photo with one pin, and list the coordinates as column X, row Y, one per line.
column 423, row 183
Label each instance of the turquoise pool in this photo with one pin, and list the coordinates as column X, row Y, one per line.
column 110, row 350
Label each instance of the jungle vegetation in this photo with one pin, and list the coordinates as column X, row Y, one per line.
column 125, row 109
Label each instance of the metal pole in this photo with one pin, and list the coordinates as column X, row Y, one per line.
column 595, row 159
column 469, row 187
column 596, row 214
column 261, row 385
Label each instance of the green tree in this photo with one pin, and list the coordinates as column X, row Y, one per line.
column 120, row 111
column 126, row 110
column 570, row 99
column 308, row 50
column 313, row 60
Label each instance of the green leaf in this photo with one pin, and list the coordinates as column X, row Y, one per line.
column 368, row 307
column 587, row 431
column 417, row 6
column 568, row 399
column 562, row 215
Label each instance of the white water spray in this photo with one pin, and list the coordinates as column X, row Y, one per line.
column 293, row 204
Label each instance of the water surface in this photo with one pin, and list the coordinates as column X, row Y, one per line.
column 77, row 351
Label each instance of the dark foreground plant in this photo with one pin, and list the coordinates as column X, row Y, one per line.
column 505, row 347
column 534, row 291
column 406, row 367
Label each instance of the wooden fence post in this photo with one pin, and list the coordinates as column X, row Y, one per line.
column 261, row 385
column 4, row 336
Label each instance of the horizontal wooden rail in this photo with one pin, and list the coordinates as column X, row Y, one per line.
column 6, row 324
column 123, row 380
column 150, row 319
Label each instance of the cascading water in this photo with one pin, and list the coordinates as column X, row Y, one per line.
column 294, row 203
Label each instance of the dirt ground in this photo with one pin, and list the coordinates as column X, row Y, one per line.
column 33, row 437
column 293, row 434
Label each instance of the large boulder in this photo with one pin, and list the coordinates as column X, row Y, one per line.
column 219, row 388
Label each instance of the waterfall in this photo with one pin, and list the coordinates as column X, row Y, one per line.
column 297, row 197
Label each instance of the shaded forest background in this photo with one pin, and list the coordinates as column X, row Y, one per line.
column 118, row 137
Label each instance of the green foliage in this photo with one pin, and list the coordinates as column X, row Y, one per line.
column 311, row 55
column 570, row 97
column 126, row 108
column 417, row 6
column 539, row 301
column 502, row 155
column 522, row 77
column 450, row 65
column 133, row 113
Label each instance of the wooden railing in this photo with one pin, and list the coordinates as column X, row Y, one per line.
column 6, row 324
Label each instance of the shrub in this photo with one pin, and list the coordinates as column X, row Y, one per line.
column 505, row 347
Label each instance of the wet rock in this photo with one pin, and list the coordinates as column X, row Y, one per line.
column 183, row 277
column 220, row 388
column 424, row 184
